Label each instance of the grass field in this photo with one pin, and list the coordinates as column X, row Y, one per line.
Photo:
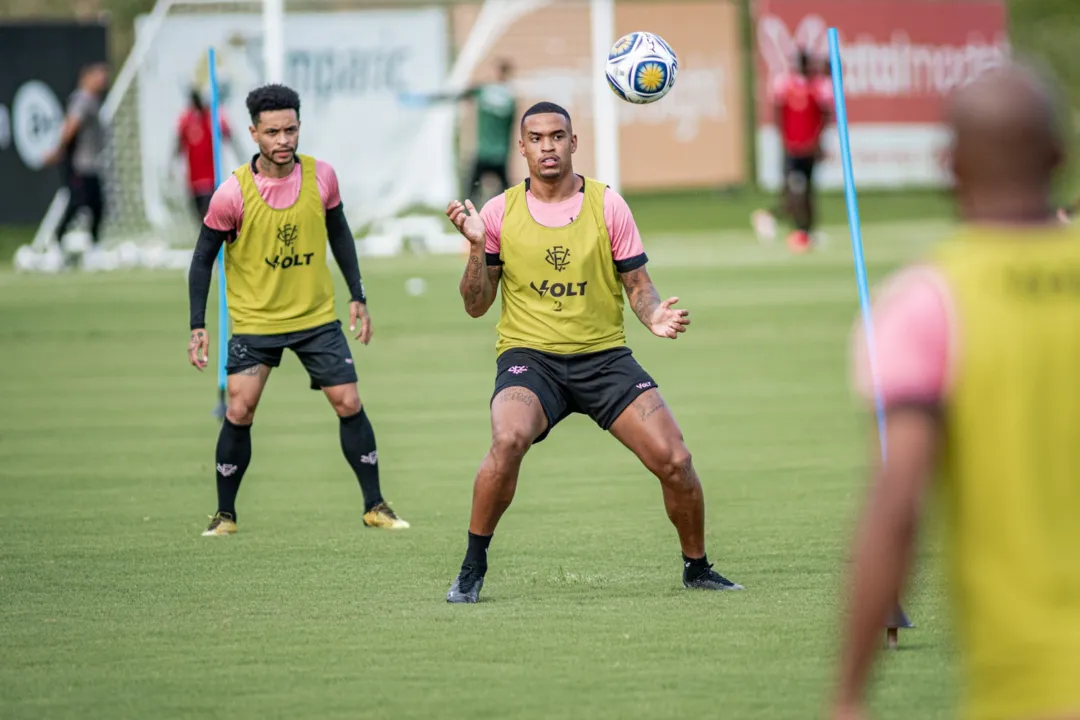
column 114, row 606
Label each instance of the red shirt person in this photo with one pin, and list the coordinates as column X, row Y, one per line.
column 803, row 101
column 194, row 139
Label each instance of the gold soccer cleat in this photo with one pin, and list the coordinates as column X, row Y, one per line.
column 221, row 524
column 381, row 516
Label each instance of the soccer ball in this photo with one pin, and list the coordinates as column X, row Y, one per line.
column 641, row 68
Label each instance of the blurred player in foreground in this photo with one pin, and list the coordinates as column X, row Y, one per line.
column 978, row 352
column 803, row 105
column 563, row 248
column 194, row 140
column 275, row 216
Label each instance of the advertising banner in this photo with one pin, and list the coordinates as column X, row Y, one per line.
column 41, row 68
column 349, row 69
column 900, row 59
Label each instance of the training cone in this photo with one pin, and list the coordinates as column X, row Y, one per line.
column 898, row 620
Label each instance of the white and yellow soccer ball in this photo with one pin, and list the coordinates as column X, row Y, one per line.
column 641, row 68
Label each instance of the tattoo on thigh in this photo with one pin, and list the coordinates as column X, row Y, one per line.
column 516, row 395
column 253, row 370
column 647, row 409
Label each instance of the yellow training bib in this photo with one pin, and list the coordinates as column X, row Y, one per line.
column 276, row 274
column 1011, row 469
column 560, row 290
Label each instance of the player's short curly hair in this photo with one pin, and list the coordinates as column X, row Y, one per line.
column 543, row 108
column 272, row 97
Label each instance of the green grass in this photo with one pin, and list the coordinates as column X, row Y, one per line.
column 113, row 606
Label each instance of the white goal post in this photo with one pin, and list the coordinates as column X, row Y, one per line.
column 416, row 160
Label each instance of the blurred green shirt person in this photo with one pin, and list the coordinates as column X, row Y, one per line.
column 496, row 110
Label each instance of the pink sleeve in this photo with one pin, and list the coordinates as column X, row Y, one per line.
column 625, row 238
column 226, row 132
column 492, row 215
column 914, row 340
column 226, row 206
column 328, row 184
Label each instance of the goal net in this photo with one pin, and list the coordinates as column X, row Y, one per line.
column 355, row 63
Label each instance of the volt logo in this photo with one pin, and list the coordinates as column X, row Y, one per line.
column 558, row 290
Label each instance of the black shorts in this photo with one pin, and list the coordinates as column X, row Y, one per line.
column 600, row 385
column 799, row 172
column 323, row 350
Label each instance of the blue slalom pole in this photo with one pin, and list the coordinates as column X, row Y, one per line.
column 853, row 224
column 899, row 618
column 223, row 308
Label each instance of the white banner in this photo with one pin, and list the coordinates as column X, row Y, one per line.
column 348, row 67
column 882, row 156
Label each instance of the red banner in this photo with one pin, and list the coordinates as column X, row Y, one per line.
column 900, row 57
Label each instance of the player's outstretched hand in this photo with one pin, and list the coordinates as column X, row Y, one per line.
column 668, row 322
column 358, row 311
column 467, row 221
column 198, row 348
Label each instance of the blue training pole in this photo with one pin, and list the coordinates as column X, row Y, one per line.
column 899, row 618
column 223, row 308
column 853, row 223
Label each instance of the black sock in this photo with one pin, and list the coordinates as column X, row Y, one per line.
column 476, row 555
column 233, row 456
column 695, row 567
column 358, row 444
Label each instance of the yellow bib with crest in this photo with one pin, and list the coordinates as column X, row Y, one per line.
column 560, row 290
column 277, row 277
column 1010, row 470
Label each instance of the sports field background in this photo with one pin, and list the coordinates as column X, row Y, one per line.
column 113, row 606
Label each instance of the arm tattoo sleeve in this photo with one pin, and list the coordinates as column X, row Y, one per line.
column 643, row 296
column 478, row 285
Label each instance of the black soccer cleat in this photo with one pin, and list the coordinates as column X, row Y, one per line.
column 708, row 579
column 466, row 588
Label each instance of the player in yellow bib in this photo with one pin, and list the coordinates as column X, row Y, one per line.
column 563, row 248
column 978, row 351
column 275, row 217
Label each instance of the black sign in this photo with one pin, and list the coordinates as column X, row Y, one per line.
column 41, row 64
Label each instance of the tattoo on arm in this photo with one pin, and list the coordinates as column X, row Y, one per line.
column 478, row 285
column 643, row 296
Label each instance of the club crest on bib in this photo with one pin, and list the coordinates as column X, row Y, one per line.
column 558, row 257
column 288, row 235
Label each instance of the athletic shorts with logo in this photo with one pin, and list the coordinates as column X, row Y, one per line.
column 600, row 385
column 323, row 350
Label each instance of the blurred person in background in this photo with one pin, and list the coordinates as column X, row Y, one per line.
column 976, row 352
column 802, row 101
column 194, row 139
column 79, row 152
column 496, row 108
